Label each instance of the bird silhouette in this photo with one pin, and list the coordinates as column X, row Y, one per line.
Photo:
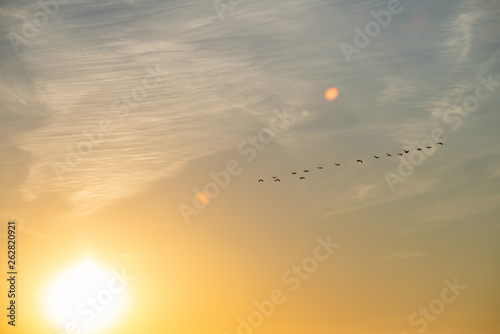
column 276, row 179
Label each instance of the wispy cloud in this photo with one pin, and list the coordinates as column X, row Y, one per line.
column 224, row 79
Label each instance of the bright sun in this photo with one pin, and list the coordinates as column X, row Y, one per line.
column 86, row 298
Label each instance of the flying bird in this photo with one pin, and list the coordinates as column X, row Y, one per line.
column 276, row 179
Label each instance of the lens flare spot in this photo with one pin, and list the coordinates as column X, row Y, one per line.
column 331, row 94
column 305, row 113
column 202, row 198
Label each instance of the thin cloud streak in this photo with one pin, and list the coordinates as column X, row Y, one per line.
column 224, row 79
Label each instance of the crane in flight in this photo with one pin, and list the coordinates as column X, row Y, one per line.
column 405, row 151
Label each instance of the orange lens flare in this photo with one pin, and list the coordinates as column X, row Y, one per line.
column 331, row 94
column 202, row 198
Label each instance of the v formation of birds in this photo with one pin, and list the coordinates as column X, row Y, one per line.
column 277, row 179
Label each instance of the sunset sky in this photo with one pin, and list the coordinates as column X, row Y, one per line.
column 133, row 134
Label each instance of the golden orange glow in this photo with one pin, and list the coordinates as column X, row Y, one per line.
column 331, row 94
column 173, row 169
column 202, row 198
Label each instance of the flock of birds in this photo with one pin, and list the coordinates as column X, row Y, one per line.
column 277, row 179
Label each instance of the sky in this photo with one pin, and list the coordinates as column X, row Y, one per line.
column 133, row 134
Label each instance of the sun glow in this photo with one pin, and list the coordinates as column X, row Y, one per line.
column 86, row 297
